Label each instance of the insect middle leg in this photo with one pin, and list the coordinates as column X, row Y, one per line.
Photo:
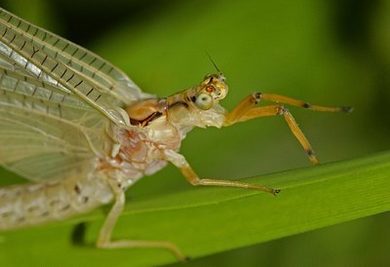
column 247, row 109
column 104, row 239
column 192, row 177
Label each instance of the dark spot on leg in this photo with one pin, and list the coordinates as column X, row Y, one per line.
column 282, row 110
column 312, row 157
column 257, row 97
column 310, row 152
column 306, row 105
column 275, row 191
column 85, row 199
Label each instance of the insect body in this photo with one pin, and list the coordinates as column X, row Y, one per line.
column 83, row 132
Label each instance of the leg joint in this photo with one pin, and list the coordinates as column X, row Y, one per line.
column 282, row 110
column 196, row 182
column 256, row 97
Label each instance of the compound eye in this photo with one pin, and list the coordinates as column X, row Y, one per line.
column 204, row 101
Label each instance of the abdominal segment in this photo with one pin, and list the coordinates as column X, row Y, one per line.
column 31, row 204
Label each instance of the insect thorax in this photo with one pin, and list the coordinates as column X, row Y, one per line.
column 156, row 125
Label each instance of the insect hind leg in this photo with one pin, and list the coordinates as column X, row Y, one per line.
column 104, row 240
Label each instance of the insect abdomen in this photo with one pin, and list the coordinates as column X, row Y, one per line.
column 31, row 204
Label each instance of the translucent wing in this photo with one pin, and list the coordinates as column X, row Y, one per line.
column 48, row 57
column 45, row 131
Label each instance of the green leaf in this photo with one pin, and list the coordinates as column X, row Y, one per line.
column 203, row 221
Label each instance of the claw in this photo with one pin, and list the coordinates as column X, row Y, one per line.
column 275, row 191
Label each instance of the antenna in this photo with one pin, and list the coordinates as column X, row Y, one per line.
column 213, row 62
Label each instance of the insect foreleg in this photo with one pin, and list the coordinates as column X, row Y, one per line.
column 281, row 99
column 179, row 161
column 251, row 101
column 247, row 110
column 274, row 110
column 104, row 239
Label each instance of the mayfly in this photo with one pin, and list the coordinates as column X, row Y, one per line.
column 82, row 132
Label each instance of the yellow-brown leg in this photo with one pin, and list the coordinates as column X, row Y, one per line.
column 247, row 110
column 179, row 161
column 251, row 101
column 280, row 99
column 104, row 239
column 246, row 104
column 194, row 179
column 274, row 110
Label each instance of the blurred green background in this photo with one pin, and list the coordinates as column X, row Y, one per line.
column 325, row 52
